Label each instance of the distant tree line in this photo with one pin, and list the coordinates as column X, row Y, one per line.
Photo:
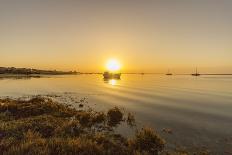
column 28, row 71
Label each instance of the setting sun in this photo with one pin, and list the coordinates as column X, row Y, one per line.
column 113, row 65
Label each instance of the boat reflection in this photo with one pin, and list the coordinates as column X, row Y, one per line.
column 112, row 82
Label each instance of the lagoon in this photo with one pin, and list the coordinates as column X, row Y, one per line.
column 198, row 110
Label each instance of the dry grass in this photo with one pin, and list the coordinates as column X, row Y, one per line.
column 42, row 126
column 147, row 139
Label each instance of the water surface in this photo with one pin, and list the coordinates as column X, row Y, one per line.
column 197, row 109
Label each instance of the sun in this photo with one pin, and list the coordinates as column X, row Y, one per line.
column 113, row 65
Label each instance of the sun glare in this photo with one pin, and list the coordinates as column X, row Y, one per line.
column 113, row 65
column 113, row 82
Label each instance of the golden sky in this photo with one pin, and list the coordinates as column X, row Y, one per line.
column 144, row 35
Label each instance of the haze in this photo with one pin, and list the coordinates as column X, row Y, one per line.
column 145, row 35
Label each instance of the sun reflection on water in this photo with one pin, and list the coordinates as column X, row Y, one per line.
column 113, row 82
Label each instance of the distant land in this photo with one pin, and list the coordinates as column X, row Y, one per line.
column 30, row 71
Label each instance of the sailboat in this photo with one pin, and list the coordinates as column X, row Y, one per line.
column 169, row 73
column 196, row 74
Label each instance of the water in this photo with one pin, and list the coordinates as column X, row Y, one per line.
column 197, row 109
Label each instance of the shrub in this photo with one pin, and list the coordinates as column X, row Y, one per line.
column 115, row 116
column 131, row 120
column 147, row 140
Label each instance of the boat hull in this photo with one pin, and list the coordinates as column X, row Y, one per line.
column 196, row 74
column 112, row 75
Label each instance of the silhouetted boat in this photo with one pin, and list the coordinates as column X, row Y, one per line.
column 169, row 73
column 108, row 75
column 196, row 74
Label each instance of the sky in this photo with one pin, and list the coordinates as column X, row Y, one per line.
column 144, row 35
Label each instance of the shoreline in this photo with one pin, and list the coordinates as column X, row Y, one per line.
column 32, row 71
column 58, row 123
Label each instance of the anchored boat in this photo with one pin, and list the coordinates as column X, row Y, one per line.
column 109, row 75
column 196, row 74
column 168, row 73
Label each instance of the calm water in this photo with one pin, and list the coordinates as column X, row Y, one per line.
column 197, row 109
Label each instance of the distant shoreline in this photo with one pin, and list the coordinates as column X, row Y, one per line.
column 31, row 71
column 37, row 72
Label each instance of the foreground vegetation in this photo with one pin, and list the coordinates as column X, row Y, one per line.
column 41, row 126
